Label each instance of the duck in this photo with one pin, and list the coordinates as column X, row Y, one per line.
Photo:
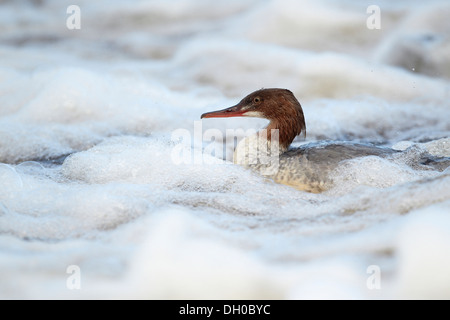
column 308, row 167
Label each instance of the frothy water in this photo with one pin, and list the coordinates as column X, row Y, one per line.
column 88, row 179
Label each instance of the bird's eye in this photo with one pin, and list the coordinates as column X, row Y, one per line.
column 256, row 100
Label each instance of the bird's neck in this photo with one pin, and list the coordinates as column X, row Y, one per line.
column 270, row 141
column 285, row 130
column 259, row 147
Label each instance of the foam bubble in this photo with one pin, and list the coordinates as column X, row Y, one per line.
column 374, row 172
column 309, row 75
column 74, row 109
column 211, row 268
column 423, row 248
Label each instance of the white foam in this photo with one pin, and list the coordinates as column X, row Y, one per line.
column 74, row 108
column 211, row 268
column 138, row 224
column 423, row 247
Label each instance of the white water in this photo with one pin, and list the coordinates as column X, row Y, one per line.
column 137, row 225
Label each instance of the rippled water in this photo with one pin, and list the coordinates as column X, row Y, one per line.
column 93, row 205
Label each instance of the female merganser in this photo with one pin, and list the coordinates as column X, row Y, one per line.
column 306, row 168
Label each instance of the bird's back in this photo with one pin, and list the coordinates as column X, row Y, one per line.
column 308, row 167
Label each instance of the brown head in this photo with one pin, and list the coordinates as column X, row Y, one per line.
column 279, row 106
